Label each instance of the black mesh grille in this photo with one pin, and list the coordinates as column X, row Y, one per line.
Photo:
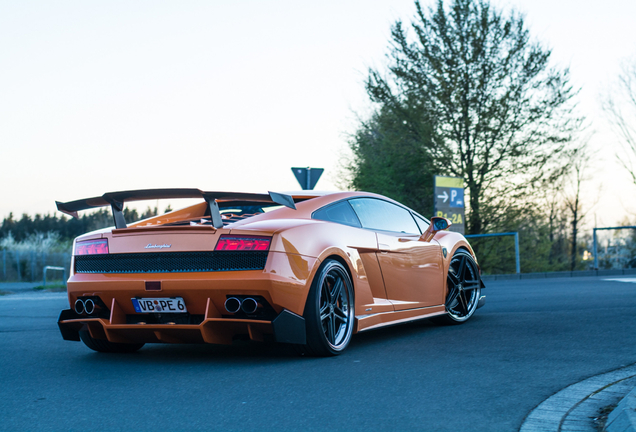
column 170, row 262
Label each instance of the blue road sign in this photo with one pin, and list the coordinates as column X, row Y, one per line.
column 457, row 197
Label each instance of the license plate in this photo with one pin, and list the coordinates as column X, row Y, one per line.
column 163, row 305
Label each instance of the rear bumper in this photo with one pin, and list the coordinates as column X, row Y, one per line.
column 284, row 283
column 287, row 327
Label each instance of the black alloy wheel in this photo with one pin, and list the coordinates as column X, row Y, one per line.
column 464, row 288
column 329, row 312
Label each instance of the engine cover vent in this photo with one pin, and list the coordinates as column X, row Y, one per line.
column 171, row 262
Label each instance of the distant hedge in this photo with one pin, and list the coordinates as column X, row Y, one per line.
column 67, row 227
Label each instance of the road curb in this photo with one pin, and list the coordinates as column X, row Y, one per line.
column 563, row 274
column 575, row 407
column 623, row 417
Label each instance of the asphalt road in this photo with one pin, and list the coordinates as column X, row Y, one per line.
column 532, row 339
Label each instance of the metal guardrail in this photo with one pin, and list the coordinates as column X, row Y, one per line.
column 27, row 265
column 46, row 268
column 516, row 234
column 596, row 241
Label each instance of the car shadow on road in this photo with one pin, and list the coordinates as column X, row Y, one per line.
column 239, row 352
column 247, row 353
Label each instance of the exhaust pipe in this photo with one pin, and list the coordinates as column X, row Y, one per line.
column 249, row 305
column 232, row 305
column 79, row 306
column 89, row 306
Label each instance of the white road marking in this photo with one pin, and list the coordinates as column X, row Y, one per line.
column 632, row 280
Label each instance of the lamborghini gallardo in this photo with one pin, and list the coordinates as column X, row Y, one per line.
column 309, row 269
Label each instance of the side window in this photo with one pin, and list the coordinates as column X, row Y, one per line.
column 382, row 215
column 421, row 223
column 340, row 213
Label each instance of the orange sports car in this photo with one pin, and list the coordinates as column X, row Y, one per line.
column 309, row 269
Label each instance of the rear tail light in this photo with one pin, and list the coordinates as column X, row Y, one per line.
column 91, row 247
column 241, row 243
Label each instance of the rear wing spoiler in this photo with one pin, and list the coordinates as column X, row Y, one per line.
column 116, row 201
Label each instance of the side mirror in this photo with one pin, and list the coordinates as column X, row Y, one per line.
column 437, row 224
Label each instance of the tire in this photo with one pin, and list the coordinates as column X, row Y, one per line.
column 101, row 345
column 464, row 289
column 329, row 311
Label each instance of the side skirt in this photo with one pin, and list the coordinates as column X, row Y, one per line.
column 383, row 319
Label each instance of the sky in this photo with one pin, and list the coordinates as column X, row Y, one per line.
column 217, row 95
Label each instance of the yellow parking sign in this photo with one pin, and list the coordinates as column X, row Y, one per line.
column 449, row 201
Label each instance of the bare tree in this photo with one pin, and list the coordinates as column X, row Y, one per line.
column 572, row 196
column 620, row 105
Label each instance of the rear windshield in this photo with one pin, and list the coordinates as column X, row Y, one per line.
column 340, row 213
column 230, row 213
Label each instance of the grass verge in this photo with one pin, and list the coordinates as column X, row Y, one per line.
column 51, row 288
column 603, row 413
